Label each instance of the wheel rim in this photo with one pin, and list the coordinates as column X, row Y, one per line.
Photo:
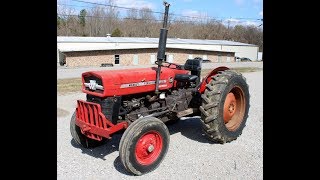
column 148, row 148
column 233, row 109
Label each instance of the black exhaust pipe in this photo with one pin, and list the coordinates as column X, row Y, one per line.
column 162, row 45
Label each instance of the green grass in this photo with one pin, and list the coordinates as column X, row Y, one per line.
column 72, row 85
column 69, row 85
column 239, row 69
column 246, row 69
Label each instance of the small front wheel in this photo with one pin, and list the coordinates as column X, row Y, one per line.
column 80, row 138
column 144, row 145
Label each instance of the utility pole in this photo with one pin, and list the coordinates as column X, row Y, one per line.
column 228, row 28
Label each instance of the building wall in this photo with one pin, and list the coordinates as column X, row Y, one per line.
column 96, row 58
column 243, row 51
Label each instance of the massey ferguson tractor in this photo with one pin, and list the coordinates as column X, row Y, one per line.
column 144, row 101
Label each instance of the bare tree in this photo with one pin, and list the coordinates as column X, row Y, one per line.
column 111, row 18
column 132, row 13
column 65, row 15
column 101, row 20
column 147, row 20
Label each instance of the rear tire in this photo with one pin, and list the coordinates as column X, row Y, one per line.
column 144, row 145
column 80, row 138
column 225, row 106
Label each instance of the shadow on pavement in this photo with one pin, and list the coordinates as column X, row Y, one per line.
column 119, row 167
column 101, row 151
column 189, row 127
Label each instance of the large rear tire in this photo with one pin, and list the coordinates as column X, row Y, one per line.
column 144, row 145
column 225, row 106
column 80, row 138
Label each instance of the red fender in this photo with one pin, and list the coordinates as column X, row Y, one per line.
column 207, row 79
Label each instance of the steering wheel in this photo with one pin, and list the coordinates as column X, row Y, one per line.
column 176, row 65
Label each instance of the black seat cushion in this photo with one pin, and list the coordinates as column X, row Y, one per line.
column 193, row 64
column 186, row 77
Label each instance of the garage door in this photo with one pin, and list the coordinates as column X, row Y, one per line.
column 170, row 60
column 228, row 58
column 135, row 60
column 153, row 59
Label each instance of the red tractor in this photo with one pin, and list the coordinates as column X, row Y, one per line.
column 142, row 100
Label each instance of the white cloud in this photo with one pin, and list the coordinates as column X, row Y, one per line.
column 124, row 3
column 64, row 1
column 239, row 2
column 73, row 10
column 233, row 22
column 135, row 4
column 193, row 13
column 261, row 13
column 230, row 22
column 251, row 23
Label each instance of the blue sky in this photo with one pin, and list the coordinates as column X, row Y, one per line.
column 232, row 10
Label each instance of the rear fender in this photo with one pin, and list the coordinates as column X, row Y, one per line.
column 207, row 79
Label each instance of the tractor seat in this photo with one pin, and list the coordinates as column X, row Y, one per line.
column 186, row 77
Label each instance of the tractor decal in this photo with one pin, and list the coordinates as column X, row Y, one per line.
column 141, row 84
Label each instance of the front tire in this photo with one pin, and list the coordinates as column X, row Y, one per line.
column 225, row 106
column 144, row 145
column 80, row 138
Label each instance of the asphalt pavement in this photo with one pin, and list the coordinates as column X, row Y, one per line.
column 190, row 154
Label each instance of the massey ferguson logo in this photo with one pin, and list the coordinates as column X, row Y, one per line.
column 141, row 84
column 93, row 85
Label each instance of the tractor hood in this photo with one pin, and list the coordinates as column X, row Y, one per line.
column 127, row 81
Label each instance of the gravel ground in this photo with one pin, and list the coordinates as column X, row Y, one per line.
column 190, row 155
column 75, row 72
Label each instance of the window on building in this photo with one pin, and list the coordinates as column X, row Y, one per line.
column 205, row 57
column 117, row 59
column 62, row 58
column 219, row 57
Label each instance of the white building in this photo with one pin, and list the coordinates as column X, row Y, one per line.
column 180, row 49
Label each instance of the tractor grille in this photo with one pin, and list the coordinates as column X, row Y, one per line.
column 91, row 116
column 98, row 81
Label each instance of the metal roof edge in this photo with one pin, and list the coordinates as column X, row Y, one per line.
column 104, row 49
column 151, row 41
